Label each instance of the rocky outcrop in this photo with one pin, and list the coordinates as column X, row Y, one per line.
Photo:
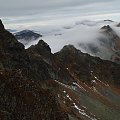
column 41, row 48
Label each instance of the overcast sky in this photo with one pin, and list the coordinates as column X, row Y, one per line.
column 21, row 11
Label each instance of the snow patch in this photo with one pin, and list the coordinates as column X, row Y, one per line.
column 69, row 97
column 94, row 81
column 58, row 95
column 83, row 112
column 64, row 91
column 78, row 86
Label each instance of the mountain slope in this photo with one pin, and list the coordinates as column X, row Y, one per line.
column 67, row 85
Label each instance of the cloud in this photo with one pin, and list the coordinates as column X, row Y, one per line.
column 26, row 13
column 84, row 32
column 31, row 7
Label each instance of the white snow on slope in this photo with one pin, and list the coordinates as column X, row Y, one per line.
column 83, row 112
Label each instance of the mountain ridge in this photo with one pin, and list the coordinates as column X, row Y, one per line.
column 67, row 85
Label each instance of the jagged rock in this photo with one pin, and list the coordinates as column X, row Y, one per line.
column 12, row 52
column 8, row 41
column 1, row 26
column 70, row 48
column 41, row 48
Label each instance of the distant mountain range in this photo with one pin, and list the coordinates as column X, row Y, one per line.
column 107, row 47
column 99, row 40
column 26, row 36
column 36, row 84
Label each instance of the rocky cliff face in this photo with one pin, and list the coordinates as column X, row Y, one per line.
column 69, row 85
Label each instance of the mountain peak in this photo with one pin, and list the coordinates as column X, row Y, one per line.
column 41, row 48
column 1, row 25
column 8, row 41
column 27, row 35
column 107, row 28
column 70, row 49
